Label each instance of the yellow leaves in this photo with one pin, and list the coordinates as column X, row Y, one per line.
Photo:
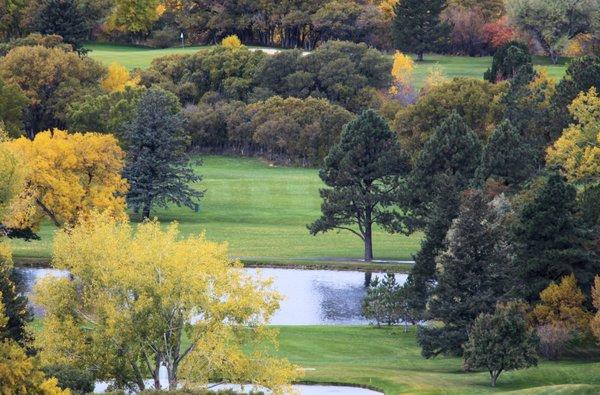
column 12, row 179
column 118, row 79
column 231, row 42
column 577, row 151
column 435, row 77
column 387, row 8
column 134, row 287
column 67, row 176
column 403, row 68
column 562, row 304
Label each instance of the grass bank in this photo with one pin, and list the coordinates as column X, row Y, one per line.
column 262, row 212
column 453, row 66
column 389, row 359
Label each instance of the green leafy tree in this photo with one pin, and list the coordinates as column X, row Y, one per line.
column 552, row 22
column 506, row 157
column 501, row 341
column 12, row 106
column 363, row 173
column 383, row 302
column 158, row 168
column 15, row 302
column 417, row 27
column 474, row 272
column 63, row 18
column 507, row 60
column 549, row 242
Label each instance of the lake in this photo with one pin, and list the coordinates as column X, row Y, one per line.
column 311, row 297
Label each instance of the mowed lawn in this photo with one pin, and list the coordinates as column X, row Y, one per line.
column 389, row 359
column 262, row 211
column 453, row 66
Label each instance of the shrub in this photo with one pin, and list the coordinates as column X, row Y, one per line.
column 164, row 38
column 552, row 340
column 383, row 302
column 70, row 377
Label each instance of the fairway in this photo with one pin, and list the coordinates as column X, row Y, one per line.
column 389, row 359
column 453, row 66
column 262, row 211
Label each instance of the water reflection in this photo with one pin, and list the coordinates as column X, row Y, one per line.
column 312, row 297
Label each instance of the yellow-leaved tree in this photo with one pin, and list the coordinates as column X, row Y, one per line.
column 118, row 78
column 135, row 296
column 577, row 151
column 12, row 180
column 402, row 71
column 66, row 176
column 562, row 304
column 231, row 42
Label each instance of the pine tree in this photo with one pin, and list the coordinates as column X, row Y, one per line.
column 475, row 271
column 507, row 61
column 549, row 243
column 417, row 26
column 63, row 18
column 506, row 157
column 158, row 168
column 363, row 173
column 15, row 303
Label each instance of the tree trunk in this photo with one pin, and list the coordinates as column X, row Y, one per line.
column 420, row 56
column 368, row 241
column 494, row 376
column 368, row 276
column 147, row 207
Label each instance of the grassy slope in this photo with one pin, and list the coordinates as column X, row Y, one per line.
column 390, row 360
column 454, row 66
column 262, row 211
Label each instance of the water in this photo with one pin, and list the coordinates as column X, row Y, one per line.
column 311, row 297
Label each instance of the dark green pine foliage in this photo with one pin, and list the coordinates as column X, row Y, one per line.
column 549, row 241
column 475, row 271
column 506, row 158
column 417, row 26
column 158, row 168
column 444, row 168
column 582, row 74
column 501, row 341
column 15, row 305
column 63, row 18
column 363, row 173
column 507, row 60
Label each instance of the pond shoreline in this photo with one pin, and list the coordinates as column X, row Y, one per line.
column 379, row 266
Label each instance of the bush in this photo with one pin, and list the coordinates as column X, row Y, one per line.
column 70, row 377
column 507, row 60
column 164, row 38
column 552, row 340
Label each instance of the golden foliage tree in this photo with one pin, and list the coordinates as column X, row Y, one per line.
column 11, row 179
column 67, row 176
column 577, row 151
column 133, row 296
column 118, row 78
column 231, row 42
column 562, row 304
column 402, row 72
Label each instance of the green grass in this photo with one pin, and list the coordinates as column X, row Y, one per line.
column 453, row 66
column 262, row 211
column 390, row 360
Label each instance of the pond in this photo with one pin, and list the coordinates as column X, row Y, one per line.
column 311, row 297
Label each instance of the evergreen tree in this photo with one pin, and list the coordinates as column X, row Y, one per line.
column 63, row 18
column 549, row 243
column 501, row 341
column 475, row 271
column 506, row 157
column 444, row 168
column 158, row 168
column 15, row 303
column 507, row 60
column 364, row 173
column 417, row 27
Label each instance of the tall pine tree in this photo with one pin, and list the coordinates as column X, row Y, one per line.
column 158, row 167
column 549, row 242
column 475, row 271
column 363, row 173
column 15, row 303
column 62, row 17
column 417, row 26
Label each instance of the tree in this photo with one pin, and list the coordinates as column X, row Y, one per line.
column 562, row 304
column 118, row 79
column 416, row 26
column 577, row 151
column 363, row 172
column 136, row 17
column 501, row 341
column 15, row 312
column 595, row 321
column 231, row 42
column 549, row 243
column 63, row 18
column 383, row 302
column 474, row 272
column 58, row 78
column 506, row 157
column 158, row 168
column 12, row 104
column 552, row 23
column 507, row 60
column 67, row 176
column 126, row 310
column 402, row 76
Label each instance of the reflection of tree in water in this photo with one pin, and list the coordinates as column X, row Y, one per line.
column 341, row 305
